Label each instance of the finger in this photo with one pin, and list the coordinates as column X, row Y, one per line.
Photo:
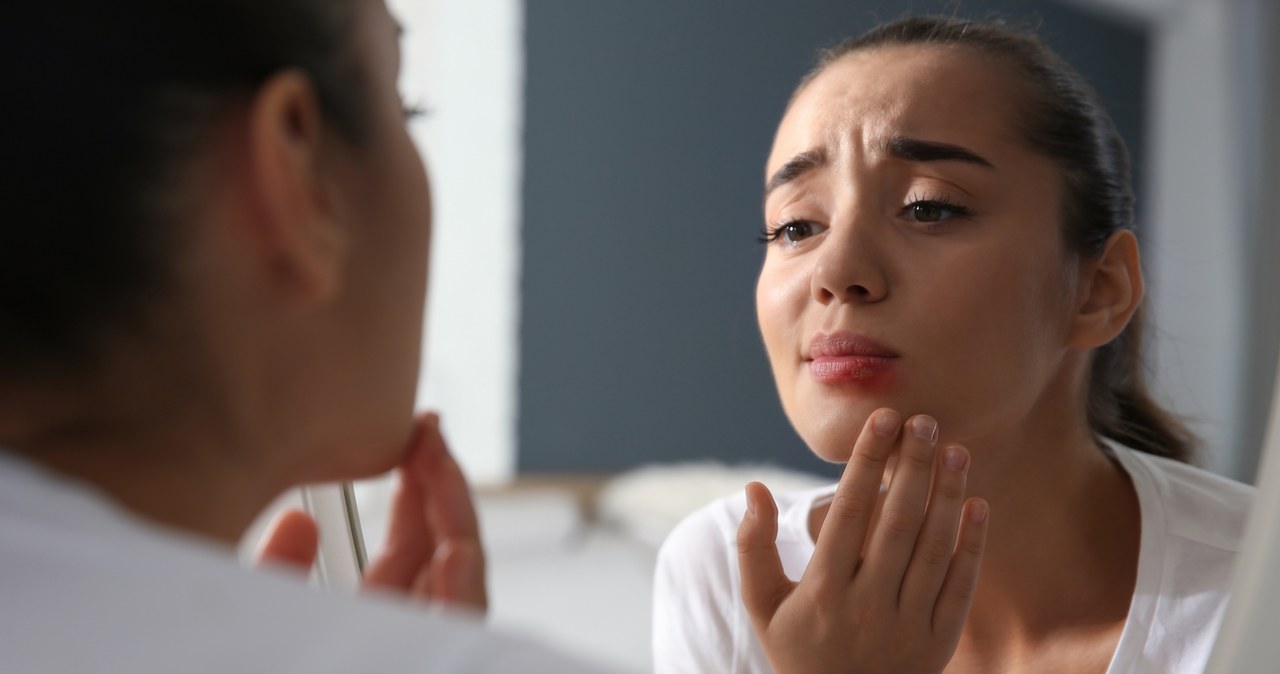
column 903, row 511
column 449, row 506
column 937, row 542
column 410, row 541
column 458, row 576
column 956, row 596
column 844, row 531
column 292, row 541
column 458, row 566
column 455, row 577
column 764, row 584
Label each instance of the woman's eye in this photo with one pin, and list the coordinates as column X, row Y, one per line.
column 413, row 111
column 792, row 232
column 797, row 231
column 926, row 212
column 933, row 210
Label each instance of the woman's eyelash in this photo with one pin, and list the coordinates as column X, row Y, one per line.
column 415, row 110
column 792, row 231
column 769, row 234
column 937, row 203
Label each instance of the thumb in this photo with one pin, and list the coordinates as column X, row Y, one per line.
column 292, row 541
column 764, row 584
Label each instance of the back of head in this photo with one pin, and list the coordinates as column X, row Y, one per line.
column 112, row 102
column 1063, row 120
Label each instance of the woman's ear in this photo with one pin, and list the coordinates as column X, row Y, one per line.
column 1109, row 292
column 295, row 220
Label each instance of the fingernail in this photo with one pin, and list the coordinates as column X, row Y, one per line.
column 751, row 505
column 925, row 428
column 978, row 513
column 885, row 424
column 955, row 458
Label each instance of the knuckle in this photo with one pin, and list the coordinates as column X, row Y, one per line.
column 950, row 487
column 847, row 506
column 964, row 591
column 973, row 546
column 870, row 457
column 934, row 552
column 899, row 522
column 835, row 611
column 863, row 617
column 825, row 603
column 918, row 458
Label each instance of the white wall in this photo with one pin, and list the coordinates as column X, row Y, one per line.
column 464, row 62
column 1196, row 251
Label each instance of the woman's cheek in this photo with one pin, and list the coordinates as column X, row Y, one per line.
column 781, row 299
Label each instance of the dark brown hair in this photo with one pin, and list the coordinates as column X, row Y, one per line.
column 1063, row 120
column 110, row 101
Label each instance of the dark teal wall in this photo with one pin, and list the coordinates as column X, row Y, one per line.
column 647, row 124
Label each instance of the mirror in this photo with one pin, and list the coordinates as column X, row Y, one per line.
column 596, row 174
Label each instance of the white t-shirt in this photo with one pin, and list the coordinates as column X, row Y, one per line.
column 1192, row 523
column 87, row 587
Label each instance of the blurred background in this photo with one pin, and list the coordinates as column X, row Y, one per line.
column 597, row 167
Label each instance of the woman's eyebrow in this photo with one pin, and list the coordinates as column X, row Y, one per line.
column 914, row 149
column 794, row 168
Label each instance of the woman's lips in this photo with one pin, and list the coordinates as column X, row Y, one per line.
column 846, row 357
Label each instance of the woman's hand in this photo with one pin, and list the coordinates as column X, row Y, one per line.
column 885, row 596
column 433, row 550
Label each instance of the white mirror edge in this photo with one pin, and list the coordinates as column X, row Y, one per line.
column 1248, row 641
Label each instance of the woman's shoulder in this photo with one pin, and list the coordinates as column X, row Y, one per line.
column 1198, row 505
column 1192, row 526
column 146, row 598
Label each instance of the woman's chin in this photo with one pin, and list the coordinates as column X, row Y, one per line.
column 360, row 460
column 833, row 439
column 835, row 445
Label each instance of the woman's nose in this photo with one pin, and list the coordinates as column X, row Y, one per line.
column 848, row 269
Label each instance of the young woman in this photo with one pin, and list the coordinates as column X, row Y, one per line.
column 212, row 273
column 951, row 303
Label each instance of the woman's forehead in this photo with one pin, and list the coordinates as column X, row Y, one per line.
column 862, row 100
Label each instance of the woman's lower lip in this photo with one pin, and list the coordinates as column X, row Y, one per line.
column 851, row 369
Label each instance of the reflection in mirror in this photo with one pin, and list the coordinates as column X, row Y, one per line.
column 592, row 339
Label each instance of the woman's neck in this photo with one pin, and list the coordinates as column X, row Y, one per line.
column 158, row 448
column 1062, row 549
column 193, row 491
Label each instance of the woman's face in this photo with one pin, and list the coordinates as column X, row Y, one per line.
column 917, row 260
column 388, row 213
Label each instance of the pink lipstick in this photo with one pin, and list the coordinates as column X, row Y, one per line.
column 849, row 358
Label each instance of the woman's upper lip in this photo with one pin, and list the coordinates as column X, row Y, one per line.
column 844, row 343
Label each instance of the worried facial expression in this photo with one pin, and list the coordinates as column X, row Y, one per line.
column 915, row 256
